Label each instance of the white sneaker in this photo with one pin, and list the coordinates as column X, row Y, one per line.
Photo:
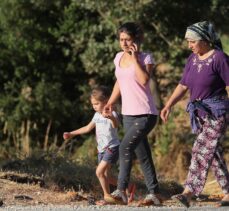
column 118, row 197
column 150, row 199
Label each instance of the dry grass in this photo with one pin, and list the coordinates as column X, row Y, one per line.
column 10, row 190
column 38, row 195
column 61, row 182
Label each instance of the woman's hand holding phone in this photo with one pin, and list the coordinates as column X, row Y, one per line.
column 136, row 45
column 134, row 48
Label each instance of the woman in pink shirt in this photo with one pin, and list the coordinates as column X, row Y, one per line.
column 132, row 70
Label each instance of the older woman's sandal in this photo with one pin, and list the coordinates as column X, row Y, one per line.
column 182, row 199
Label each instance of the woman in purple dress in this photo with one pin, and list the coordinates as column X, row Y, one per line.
column 206, row 77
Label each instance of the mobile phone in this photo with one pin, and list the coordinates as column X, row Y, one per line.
column 136, row 42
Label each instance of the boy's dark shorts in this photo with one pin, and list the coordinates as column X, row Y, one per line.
column 110, row 155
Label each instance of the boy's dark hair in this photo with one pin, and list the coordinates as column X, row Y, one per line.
column 101, row 93
column 132, row 29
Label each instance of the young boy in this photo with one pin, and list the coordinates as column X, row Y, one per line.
column 106, row 136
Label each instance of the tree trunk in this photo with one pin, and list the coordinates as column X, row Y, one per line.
column 25, row 128
column 47, row 135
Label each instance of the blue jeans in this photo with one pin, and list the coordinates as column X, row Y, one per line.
column 135, row 140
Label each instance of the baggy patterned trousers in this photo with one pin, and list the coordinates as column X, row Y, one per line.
column 207, row 152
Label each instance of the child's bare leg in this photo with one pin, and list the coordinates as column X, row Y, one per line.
column 110, row 178
column 101, row 173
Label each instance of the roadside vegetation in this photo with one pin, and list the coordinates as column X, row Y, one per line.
column 53, row 52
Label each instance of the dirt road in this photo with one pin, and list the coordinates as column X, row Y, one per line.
column 107, row 208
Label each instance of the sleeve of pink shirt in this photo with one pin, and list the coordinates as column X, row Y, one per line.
column 117, row 58
column 148, row 59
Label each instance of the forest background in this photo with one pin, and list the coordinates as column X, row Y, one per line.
column 53, row 52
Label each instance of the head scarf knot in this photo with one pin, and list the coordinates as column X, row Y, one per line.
column 204, row 31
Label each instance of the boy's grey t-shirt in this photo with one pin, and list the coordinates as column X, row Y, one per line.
column 106, row 135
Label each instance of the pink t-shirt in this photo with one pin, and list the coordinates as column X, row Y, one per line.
column 136, row 98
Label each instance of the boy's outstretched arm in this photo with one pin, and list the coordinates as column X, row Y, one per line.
column 80, row 131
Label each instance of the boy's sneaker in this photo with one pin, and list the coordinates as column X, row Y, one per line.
column 118, row 197
column 150, row 199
